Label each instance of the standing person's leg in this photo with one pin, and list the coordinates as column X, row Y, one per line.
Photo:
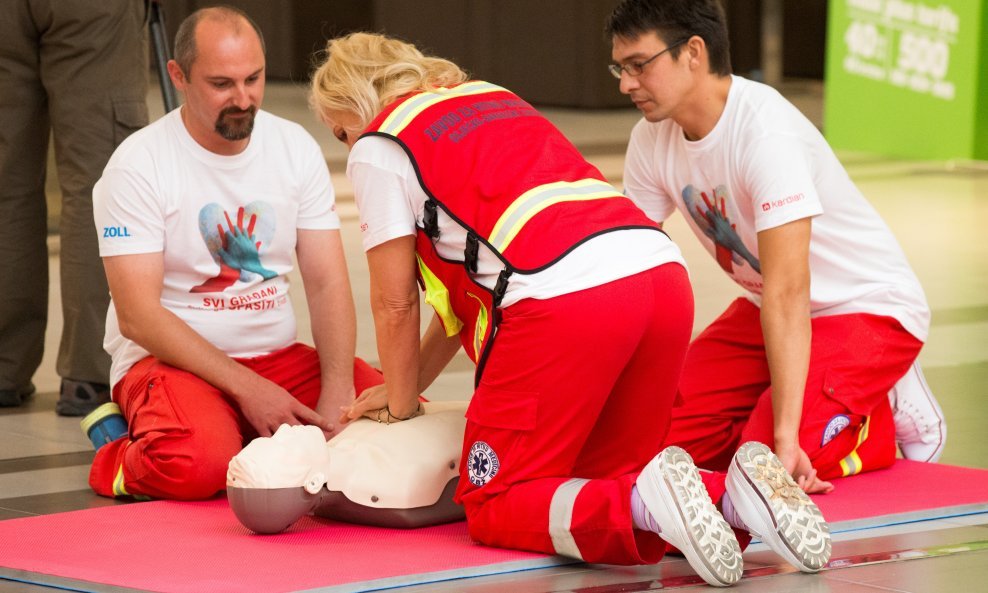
column 549, row 378
column 183, row 433
column 94, row 68
column 847, row 424
column 725, row 373
column 24, row 129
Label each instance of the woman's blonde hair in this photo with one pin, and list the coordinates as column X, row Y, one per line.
column 365, row 72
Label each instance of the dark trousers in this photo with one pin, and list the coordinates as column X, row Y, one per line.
column 75, row 70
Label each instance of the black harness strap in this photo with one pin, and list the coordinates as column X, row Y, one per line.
column 471, row 252
column 430, row 219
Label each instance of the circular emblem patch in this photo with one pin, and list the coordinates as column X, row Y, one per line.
column 483, row 463
column 836, row 424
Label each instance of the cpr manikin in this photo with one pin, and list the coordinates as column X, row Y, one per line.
column 389, row 475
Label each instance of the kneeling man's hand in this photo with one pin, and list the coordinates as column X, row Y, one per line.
column 269, row 406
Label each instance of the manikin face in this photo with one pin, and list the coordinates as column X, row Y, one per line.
column 659, row 91
column 224, row 86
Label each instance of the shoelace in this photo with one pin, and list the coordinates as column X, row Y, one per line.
column 783, row 488
column 913, row 422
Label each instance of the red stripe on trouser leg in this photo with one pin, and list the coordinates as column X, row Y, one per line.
column 184, row 431
column 855, row 360
column 578, row 386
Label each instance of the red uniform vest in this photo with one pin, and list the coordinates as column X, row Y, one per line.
column 492, row 163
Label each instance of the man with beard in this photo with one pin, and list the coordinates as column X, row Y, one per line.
column 198, row 216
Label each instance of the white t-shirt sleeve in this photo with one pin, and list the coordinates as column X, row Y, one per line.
column 128, row 215
column 780, row 182
column 641, row 174
column 317, row 202
column 380, row 173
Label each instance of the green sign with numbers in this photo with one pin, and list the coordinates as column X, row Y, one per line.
column 908, row 78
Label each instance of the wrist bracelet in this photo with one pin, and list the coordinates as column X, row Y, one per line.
column 417, row 412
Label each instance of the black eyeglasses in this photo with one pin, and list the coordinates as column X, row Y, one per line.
column 636, row 68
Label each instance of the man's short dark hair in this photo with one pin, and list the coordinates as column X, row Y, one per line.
column 675, row 20
column 185, row 39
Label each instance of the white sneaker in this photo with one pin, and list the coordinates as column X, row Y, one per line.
column 920, row 428
column 671, row 488
column 775, row 509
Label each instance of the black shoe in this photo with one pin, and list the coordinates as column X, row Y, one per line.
column 79, row 398
column 11, row 398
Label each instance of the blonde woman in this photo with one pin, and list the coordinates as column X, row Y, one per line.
column 576, row 309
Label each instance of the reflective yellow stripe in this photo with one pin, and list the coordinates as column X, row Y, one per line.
column 480, row 329
column 852, row 464
column 407, row 111
column 118, row 483
column 538, row 199
column 437, row 295
column 863, row 436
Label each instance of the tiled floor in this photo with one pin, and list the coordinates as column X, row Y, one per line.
column 937, row 210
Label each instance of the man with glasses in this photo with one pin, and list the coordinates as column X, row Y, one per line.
column 834, row 317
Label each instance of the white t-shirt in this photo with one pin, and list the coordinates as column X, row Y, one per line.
column 764, row 165
column 226, row 226
column 391, row 202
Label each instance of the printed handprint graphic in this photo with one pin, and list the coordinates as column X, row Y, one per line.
column 240, row 250
column 711, row 217
column 236, row 246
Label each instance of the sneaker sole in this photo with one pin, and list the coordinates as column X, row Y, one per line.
column 671, row 488
column 776, row 509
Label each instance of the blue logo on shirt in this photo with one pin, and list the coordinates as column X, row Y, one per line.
column 115, row 231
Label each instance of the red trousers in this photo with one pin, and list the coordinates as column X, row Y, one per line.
column 574, row 401
column 847, row 425
column 184, row 431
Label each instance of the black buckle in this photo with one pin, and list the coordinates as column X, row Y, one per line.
column 501, row 287
column 430, row 219
column 471, row 252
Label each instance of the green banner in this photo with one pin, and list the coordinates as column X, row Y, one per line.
column 908, row 78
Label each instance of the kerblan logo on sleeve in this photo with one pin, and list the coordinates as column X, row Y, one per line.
column 766, row 206
column 113, row 232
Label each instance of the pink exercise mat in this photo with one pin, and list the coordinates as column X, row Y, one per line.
column 196, row 547
column 908, row 491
